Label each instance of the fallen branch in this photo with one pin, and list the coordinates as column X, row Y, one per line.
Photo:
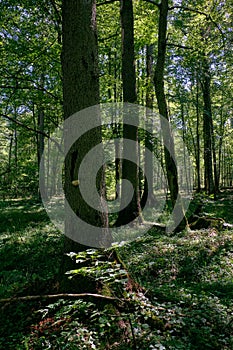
column 156, row 225
column 58, row 296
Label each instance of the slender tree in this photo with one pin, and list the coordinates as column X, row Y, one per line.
column 207, row 129
column 129, row 168
column 169, row 149
column 148, row 194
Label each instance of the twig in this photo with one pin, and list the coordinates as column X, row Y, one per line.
column 132, row 331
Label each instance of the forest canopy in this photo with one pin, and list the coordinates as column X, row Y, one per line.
column 197, row 81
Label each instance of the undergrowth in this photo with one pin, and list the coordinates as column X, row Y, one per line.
column 169, row 292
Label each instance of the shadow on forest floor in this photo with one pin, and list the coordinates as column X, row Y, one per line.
column 30, row 258
column 188, row 276
column 16, row 215
column 222, row 207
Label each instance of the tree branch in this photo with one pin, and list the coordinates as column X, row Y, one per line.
column 30, row 88
column 61, row 295
column 25, row 126
column 32, row 129
column 109, row 37
column 180, row 46
column 54, row 5
column 207, row 15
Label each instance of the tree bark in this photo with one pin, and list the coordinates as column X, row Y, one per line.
column 198, row 149
column 80, row 90
column 129, row 168
column 148, row 194
column 15, row 155
column 169, row 150
column 207, row 129
column 40, row 149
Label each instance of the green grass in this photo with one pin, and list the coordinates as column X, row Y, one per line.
column 222, row 208
column 187, row 283
column 30, row 255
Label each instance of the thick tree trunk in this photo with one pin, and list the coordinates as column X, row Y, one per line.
column 80, row 90
column 129, row 168
column 169, row 151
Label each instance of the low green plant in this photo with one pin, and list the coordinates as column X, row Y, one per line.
column 168, row 292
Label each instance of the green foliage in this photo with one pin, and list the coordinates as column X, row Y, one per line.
column 184, row 300
column 31, row 251
column 103, row 325
column 66, row 328
column 188, row 305
column 30, row 71
column 108, row 273
column 30, row 82
column 191, row 291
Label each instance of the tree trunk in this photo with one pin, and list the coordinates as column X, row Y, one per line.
column 116, row 134
column 129, row 168
column 198, row 149
column 207, row 129
column 148, row 194
column 169, row 151
column 15, row 156
column 40, row 150
column 186, row 174
column 80, row 90
column 221, row 134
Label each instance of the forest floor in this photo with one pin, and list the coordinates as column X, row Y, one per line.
column 185, row 298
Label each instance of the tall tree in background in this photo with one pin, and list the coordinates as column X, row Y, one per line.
column 29, row 50
column 129, row 168
column 169, row 149
column 80, row 90
column 30, row 47
column 148, row 194
column 207, row 129
column 210, row 162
